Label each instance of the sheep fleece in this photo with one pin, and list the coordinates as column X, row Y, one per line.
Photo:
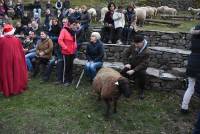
column 104, row 83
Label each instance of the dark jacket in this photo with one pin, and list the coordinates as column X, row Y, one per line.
column 55, row 30
column 193, row 67
column 75, row 15
column 37, row 5
column 95, row 52
column 48, row 6
column 138, row 60
column 66, row 4
column 25, row 20
column 130, row 18
column 85, row 18
column 108, row 18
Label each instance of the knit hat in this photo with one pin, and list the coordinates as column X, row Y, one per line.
column 97, row 35
column 8, row 29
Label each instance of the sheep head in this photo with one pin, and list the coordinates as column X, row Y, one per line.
column 124, row 86
column 189, row 8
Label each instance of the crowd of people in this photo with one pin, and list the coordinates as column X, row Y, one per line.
column 55, row 42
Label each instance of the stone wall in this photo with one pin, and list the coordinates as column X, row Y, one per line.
column 169, row 50
column 178, row 40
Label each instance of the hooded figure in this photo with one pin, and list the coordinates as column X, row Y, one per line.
column 13, row 70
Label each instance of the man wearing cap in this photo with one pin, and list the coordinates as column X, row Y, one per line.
column 136, row 59
column 94, row 55
column 13, row 70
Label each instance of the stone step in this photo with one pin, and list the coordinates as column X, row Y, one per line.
column 179, row 40
column 161, row 74
column 181, row 72
column 156, row 78
column 171, row 50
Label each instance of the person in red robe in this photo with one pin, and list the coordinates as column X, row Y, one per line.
column 13, row 69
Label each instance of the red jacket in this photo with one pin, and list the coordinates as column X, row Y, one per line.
column 67, row 42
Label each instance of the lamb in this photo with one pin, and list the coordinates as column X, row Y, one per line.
column 110, row 84
column 194, row 11
column 149, row 11
column 170, row 11
column 104, row 10
column 167, row 10
column 141, row 15
column 93, row 13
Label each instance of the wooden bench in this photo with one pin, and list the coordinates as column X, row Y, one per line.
column 161, row 74
column 176, row 17
column 171, row 23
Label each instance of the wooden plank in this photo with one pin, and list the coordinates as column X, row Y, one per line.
column 176, row 16
column 172, row 23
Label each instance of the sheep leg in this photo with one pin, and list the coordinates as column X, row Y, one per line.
column 107, row 108
column 115, row 106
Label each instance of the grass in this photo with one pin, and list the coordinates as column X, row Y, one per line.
column 184, row 27
column 49, row 109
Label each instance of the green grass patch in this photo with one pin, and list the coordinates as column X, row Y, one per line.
column 184, row 27
column 46, row 108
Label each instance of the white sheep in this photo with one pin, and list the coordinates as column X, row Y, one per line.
column 141, row 15
column 104, row 10
column 167, row 10
column 155, row 11
column 170, row 11
column 194, row 11
column 149, row 11
column 93, row 13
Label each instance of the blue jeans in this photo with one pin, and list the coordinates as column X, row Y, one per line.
column 91, row 68
column 29, row 57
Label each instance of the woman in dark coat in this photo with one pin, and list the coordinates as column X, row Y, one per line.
column 94, row 54
column 109, row 23
column 193, row 68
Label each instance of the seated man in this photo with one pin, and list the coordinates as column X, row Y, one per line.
column 44, row 51
column 31, row 53
column 136, row 62
column 94, row 54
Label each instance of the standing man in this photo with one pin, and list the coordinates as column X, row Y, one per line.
column 13, row 70
column 67, row 41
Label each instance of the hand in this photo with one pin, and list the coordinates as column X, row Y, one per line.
column 128, row 66
column 110, row 25
column 131, row 27
column 41, row 53
column 26, row 50
column 130, row 72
